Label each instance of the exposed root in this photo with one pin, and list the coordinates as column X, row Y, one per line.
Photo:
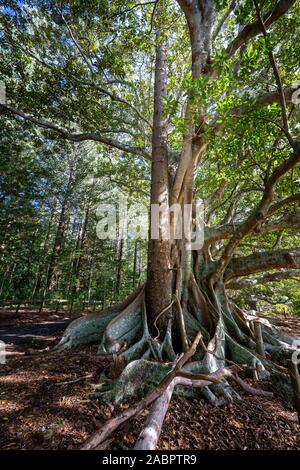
column 241, row 319
column 86, row 330
column 167, row 345
column 247, row 388
column 126, row 337
column 161, row 397
column 124, row 328
column 193, row 326
column 145, row 363
column 90, row 328
column 114, row 423
column 150, row 434
column 230, row 322
column 241, row 355
column 181, row 324
column 214, row 359
column 140, row 375
column 202, row 312
column 137, row 379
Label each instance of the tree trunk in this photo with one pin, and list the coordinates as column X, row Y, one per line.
column 39, row 271
column 135, row 261
column 119, row 256
column 60, row 230
column 159, row 279
column 191, row 282
column 76, row 265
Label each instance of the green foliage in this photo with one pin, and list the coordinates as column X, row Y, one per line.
column 296, row 303
column 88, row 67
column 33, row 189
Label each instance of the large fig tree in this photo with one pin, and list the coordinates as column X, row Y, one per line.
column 203, row 92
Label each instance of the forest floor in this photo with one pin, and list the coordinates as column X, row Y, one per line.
column 39, row 411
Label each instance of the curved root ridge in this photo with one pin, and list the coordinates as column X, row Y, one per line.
column 138, row 378
column 86, row 330
column 116, row 328
column 123, row 330
column 242, row 355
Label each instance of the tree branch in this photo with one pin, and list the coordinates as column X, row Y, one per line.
column 264, row 99
column 223, row 19
column 85, row 83
column 267, row 277
column 253, row 29
column 260, row 262
column 261, row 212
column 284, row 202
column 277, row 78
column 287, row 222
column 78, row 137
column 217, row 194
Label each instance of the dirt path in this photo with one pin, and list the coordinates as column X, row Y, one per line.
column 36, row 335
column 41, row 408
column 30, row 329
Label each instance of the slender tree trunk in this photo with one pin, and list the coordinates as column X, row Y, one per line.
column 135, row 258
column 10, row 277
column 91, row 273
column 60, row 230
column 159, row 279
column 119, row 255
column 81, row 243
column 74, row 284
column 38, row 276
column 5, row 276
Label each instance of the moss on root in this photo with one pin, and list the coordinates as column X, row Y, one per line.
column 137, row 379
column 123, row 330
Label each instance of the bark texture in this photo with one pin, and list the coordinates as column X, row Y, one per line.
column 159, row 280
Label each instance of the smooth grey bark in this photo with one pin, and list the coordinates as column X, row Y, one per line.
column 293, row 274
column 260, row 262
column 259, row 338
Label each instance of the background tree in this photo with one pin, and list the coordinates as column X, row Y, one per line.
column 224, row 129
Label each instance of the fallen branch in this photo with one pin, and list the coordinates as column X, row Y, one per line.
column 150, row 434
column 248, row 388
column 295, row 379
column 110, row 426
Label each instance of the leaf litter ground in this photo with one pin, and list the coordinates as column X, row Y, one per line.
column 39, row 411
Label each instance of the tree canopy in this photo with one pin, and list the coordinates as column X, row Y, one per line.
column 83, row 73
column 170, row 103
